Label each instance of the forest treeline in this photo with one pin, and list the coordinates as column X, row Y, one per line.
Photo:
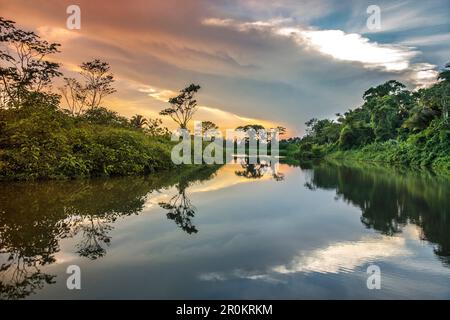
column 393, row 125
column 67, row 132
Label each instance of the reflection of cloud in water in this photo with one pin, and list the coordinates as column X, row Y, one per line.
column 346, row 256
column 238, row 274
column 225, row 178
column 336, row 258
column 342, row 257
column 156, row 198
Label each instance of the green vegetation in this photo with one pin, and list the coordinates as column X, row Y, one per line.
column 394, row 126
column 45, row 135
column 40, row 141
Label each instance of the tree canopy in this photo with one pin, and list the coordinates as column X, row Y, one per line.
column 182, row 106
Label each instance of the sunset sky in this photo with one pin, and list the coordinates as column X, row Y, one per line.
column 269, row 62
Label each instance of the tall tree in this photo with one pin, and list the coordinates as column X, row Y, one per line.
column 24, row 65
column 208, row 125
column 99, row 80
column 281, row 130
column 182, row 106
column 74, row 95
column 97, row 84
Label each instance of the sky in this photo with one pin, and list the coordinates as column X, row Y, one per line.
column 278, row 62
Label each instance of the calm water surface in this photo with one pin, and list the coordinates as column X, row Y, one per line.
column 229, row 232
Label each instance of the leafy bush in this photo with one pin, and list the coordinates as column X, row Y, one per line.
column 43, row 142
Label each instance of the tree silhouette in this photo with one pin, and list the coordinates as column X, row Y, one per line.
column 180, row 209
column 97, row 84
column 257, row 170
column 208, row 125
column 24, row 65
column 182, row 106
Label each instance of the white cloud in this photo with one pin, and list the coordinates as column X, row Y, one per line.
column 57, row 34
column 245, row 26
column 342, row 46
column 345, row 256
column 423, row 74
column 162, row 95
column 356, row 48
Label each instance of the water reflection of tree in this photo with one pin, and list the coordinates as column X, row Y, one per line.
column 179, row 207
column 21, row 276
column 34, row 217
column 20, row 273
column 389, row 200
column 94, row 231
column 257, row 170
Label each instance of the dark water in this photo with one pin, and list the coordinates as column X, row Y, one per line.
column 229, row 232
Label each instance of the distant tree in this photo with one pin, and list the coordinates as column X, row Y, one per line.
column 445, row 74
column 138, row 121
column 182, row 106
column 247, row 127
column 281, row 130
column 323, row 131
column 103, row 116
column 256, row 129
column 155, row 128
column 97, row 84
column 74, row 95
column 208, row 125
column 99, row 80
column 392, row 87
column 24, row 65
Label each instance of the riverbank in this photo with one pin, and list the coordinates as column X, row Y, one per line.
column 387, row 156
column 440, row 167
column 426, row 156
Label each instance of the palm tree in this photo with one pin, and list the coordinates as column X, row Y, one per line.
column 138, row 121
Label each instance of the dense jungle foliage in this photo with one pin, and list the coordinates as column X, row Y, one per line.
column 394, row 125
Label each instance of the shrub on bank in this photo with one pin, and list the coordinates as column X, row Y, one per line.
column 43, row 142
column 429, row 148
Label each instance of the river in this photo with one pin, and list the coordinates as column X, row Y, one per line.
column 230, row 232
